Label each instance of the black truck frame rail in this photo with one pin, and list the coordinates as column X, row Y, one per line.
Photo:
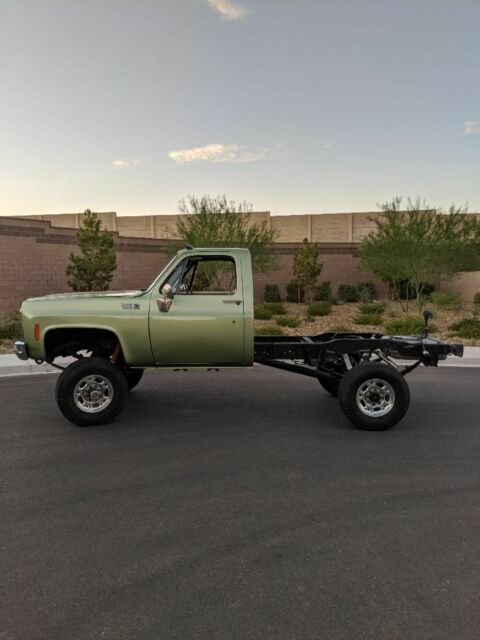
column 328, row 356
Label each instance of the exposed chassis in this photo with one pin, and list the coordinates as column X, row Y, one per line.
column 328, row 356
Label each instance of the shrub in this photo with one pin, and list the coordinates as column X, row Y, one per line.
column 272, row 293
column 339, row 328
column 323, row 293
column 285, row 321
column 319, row 309
column 366, row 291
column 476, row 301
column 347, row 293
column 467, row 328
column 276, row 308
column 407, row 325
column 292, row 292
column 309, row 318
column 407, row 292
column 269, row 330
column 262, row 313
column 10, row 328
column 373, row 319
column 373, row 307
column 445, row 300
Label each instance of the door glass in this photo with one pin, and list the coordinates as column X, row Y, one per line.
column 215, row 276
column 204, row 275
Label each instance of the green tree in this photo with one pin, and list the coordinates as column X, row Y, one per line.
column 93, row 268
column 216, row 222
column 306, row 269
column 419, row 245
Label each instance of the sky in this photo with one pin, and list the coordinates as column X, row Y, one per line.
column 297, row 106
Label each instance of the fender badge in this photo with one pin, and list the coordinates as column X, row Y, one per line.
column 130, row 305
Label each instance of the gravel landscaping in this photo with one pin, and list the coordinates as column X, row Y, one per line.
column 341, row 318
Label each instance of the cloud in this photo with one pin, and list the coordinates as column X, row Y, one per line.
column 216, row 153
column 471, row 128
column 327, row 145
column 228, row 10
column 125, row 163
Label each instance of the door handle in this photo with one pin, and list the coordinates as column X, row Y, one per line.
column 233, row 301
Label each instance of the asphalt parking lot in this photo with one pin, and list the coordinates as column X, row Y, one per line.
column 240, row 505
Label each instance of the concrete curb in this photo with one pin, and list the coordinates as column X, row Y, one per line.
column 10, row 365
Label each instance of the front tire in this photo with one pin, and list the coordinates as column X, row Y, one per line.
column 373, row 396
column 91, row 392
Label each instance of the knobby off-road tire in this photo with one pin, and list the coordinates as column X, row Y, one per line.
column 91, row 391
column 374, row 396
column 133, row 377
column 330, row 387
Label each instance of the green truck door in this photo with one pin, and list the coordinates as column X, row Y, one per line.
column 204, row 324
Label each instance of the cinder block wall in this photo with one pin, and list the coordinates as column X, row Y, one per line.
column 325, row 227
column 34, row 251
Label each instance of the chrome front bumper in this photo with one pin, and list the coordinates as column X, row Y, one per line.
column 21, row 350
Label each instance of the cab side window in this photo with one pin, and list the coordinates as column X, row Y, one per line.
column 217, row 275
column 204, row 275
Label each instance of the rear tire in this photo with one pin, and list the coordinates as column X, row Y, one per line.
column 330, row 387
column 91, row 392
column 133, row 377
column 373, row 396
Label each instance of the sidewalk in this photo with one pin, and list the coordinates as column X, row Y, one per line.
column 10, row 365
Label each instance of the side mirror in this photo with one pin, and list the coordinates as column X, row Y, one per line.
column 165, row 303
column 167, row 291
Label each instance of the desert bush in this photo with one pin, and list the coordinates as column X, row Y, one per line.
column 374, row 319
column 467, row 328
column 373, row 307
column 260, row 312
column 408, row 325
column 319, row 308
column 277, row 308
column 405, row 290
column 10, row 328
column 476, row 302
column 445, row 300
column 366, row 291
column 272, row 293
column 323, row 292
column 286, row 321
column 347, row 293
column 269, row 330
column 339, row 328
column 295, row 293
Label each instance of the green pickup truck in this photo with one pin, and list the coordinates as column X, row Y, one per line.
column 198, row 313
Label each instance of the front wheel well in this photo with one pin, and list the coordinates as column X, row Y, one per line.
column 71, row 340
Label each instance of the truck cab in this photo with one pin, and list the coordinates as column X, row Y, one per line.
column 198, row 312
column 201, row 310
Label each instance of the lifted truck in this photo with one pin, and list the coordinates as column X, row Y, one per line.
column 198, row 313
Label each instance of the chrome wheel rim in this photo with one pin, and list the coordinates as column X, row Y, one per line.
column 93, row 393
column 375, row 397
